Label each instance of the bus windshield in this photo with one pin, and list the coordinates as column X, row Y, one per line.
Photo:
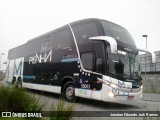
column 124, row 64
column 117, row 32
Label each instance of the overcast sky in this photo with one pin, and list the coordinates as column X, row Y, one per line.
column 21, row 20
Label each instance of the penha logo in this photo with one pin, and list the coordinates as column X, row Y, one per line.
column 128, row 49
column 40, row 58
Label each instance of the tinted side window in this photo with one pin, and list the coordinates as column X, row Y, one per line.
column 62, row 39
column 84, row 30
column 87, row 60
column 33, row 46
column 16, row 52
column 46, row 44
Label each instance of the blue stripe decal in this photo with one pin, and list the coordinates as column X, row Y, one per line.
column 69, row 60
column 30, row 77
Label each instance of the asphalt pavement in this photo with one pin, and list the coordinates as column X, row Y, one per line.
column 151, row 97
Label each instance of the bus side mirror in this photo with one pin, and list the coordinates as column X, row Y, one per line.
column 110, row 40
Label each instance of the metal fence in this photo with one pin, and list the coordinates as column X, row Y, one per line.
column 152, row 67
column 146, row 63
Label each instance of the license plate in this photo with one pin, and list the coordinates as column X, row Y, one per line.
column 130, row 97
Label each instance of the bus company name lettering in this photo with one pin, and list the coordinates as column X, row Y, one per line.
column 128, row 49
column 41, row 58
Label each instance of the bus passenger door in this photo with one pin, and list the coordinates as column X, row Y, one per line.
column 99, row 68
column 92, row 60
column 85, row 79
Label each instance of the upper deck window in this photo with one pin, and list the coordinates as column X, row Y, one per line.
column 84, row 30
column 62, row 39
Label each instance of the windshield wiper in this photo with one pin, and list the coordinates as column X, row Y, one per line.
column 138, row 77
column 123, row 74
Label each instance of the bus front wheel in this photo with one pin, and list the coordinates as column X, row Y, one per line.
column 69, row 91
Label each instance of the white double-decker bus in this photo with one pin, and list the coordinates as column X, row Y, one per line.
column 90, row 58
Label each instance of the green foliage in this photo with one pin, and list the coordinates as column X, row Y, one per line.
column 149, row 118
column 62, row 110
column 16, row 118
column 1, row 78
column 151, row 86
column 1, row 75
column 18, row 100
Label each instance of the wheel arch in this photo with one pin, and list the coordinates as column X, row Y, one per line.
column 65, row 80
column 15, row 79
column 19, row 78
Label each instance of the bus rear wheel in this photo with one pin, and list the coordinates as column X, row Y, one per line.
column 19, row 83
column 69, row 91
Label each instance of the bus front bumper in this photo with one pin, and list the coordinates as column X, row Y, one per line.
column 114, row 95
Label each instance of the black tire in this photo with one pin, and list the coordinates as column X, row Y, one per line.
column 13, row 81
column 19, row 83
column 69, row 91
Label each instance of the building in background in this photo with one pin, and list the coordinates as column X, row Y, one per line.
column 157, row 62
column 146, row 62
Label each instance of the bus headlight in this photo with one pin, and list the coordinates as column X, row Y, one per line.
column 110, row 94
column 113, row 85
column 141, row 87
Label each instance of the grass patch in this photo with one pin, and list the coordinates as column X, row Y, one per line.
column 151, row 86
column 62, row 110
column 149, row 118
column 18, row 101
column 1, row 78
column 1, row 75
column 16, row 118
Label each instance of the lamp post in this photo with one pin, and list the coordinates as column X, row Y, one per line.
column 145, row 36
column 1, row 59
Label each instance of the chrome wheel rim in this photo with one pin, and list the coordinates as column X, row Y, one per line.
column 70, row 92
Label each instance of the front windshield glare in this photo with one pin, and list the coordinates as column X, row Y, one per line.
column 124, row 64
column 117, row 32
